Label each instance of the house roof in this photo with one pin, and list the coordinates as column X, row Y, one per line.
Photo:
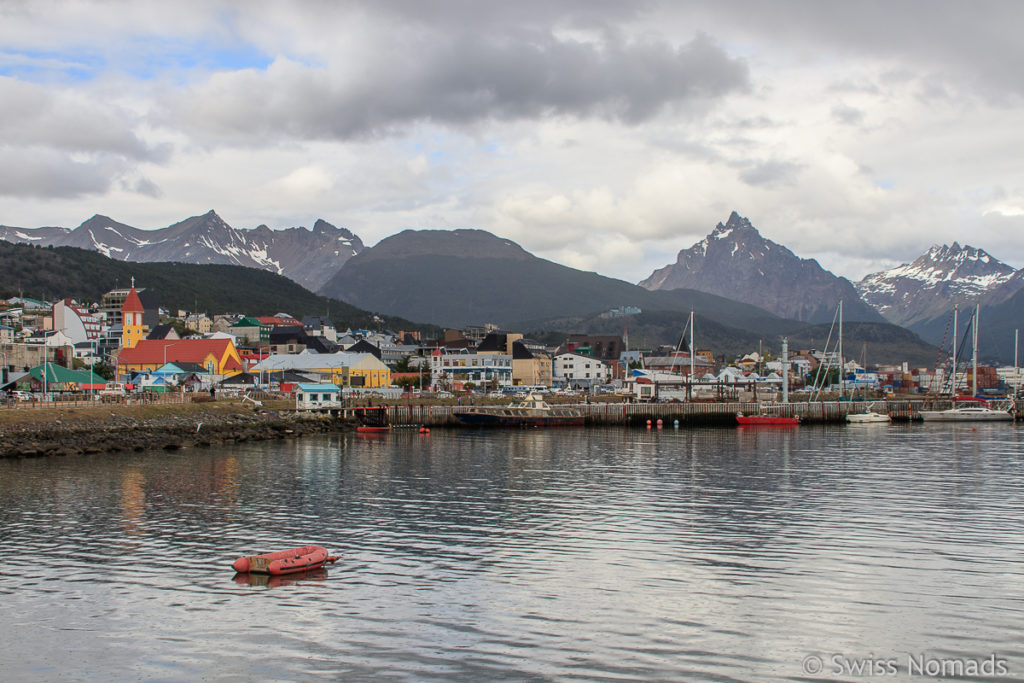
column 132, row 303
column 151, row 351
column 244, row 378
column 162, row 332
column 290, row 377
column 275, row 321
column 315, row 361
column 495, row 341
column 520, row 352
column 319, row 387
column 59, row 373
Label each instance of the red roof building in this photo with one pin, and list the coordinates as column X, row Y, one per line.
column 274, row 321
column 219, row 355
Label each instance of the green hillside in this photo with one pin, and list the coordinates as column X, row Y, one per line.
column 871, row 342
column 49, row 273
column 512, row 292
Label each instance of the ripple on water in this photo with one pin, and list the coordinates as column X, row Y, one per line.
column 683, row 554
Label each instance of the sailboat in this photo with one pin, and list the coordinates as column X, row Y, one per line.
column 969, row 408
column 868, row 417
column 766, row 418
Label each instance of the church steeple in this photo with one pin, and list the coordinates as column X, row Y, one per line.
column 132, row 328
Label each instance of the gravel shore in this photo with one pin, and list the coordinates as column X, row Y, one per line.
column 98, row 429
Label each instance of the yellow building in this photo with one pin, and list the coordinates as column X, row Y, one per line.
column 132, row 329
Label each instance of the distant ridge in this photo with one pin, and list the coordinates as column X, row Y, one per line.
column 48, row 273
column 308, row 257
column 461, row 277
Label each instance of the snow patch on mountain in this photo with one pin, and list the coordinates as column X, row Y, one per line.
column 942, row 277
column 307, row 256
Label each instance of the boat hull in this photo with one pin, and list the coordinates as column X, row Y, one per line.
column 960, row 415
column 767, row 421
column 491, row 420
column 284, row 562
column 868, row 418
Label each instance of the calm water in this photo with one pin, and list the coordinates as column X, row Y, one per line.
column 727, row 554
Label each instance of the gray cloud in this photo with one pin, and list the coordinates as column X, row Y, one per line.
column 463, row 80
column 844, row 113
column 47, row 174
column 977, row 44
column 75, row 122
column 771, row 174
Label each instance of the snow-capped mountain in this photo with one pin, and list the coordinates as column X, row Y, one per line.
column 934, row 282
column 309, row 257
column 735, row 261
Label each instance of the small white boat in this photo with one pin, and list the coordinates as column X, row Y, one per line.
column 867, row 417
column 976, row 410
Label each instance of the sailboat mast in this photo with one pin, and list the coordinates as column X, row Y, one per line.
column 956, row 312
column 692, row 350
column 842, row 372
column 785, row 370
column 974, row 369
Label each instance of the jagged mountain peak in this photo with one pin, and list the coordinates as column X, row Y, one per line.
column 734, row 260
column 933, row 282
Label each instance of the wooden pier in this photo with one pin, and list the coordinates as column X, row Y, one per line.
column 692, row 414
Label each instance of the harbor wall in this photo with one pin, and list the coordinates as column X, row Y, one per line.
column 690, row 414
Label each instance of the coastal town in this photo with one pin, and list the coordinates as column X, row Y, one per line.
column 126, row 346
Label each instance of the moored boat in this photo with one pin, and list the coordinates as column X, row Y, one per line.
column 867, row 417
column 533, row 411
column 766, row 420
column 372, row 419
column 969, row 409
column 291, row 561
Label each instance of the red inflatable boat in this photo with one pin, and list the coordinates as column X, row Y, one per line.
column 285, row 562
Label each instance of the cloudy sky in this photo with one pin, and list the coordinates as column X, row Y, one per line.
column 602, row 134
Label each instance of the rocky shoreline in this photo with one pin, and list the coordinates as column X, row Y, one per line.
column 71, row 434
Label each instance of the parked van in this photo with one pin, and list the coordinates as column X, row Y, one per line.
column 113, row 389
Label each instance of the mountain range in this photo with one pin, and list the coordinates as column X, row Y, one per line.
column 459, row 277
column 734, row 277
column 308, row 257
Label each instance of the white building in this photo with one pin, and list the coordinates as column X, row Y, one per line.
column 449, row 369
column 74, row 321
column 572, row 369
column 317, row 396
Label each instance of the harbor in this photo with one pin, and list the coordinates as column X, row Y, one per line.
column 540, row 554
column 695, row 414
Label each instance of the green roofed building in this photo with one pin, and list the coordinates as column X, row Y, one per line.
column 59, row 378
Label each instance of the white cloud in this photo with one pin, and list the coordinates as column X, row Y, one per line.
column 602, row 135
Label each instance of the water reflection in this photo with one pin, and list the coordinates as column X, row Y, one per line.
column 268, row 581
column 673, row 554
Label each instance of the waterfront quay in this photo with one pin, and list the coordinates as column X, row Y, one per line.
column 695, row 414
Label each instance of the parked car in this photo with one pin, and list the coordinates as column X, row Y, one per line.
column 21, row 396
